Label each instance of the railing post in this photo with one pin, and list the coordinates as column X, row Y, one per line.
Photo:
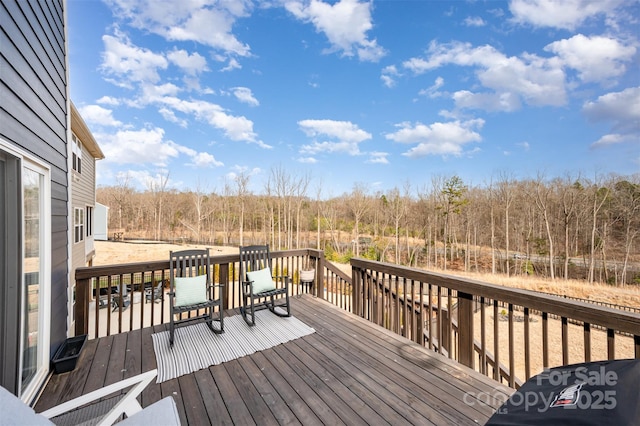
column 465, row 329
column 81, row 313
column 319, row 287
column 223, row 278
column 355, row 291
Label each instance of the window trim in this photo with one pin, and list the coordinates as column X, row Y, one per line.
column 76, row 150
column 24, row 160
column 88, row 221
column 78, row 225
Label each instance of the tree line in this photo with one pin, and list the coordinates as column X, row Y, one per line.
column 566, row 227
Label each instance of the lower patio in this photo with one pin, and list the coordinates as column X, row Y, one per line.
column 350, row 371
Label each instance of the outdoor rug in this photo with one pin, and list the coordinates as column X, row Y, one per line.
column 196, row 347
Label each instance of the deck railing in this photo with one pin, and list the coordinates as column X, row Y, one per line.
column 476, row 323
column 113, row 298
column 507, row 334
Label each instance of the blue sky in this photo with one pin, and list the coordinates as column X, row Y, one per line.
column 377, row 93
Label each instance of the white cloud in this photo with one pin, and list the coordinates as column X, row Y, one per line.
column 433, row 91
column 108, row 100
column 524, row 145
column 536, row 81
column 146, row 146
column 506, row 101
column 206, row 22
column 307, row 160
column 595, row 58
column 192, row 64
column 388, row 75
column 620, row 108
column 145, row 178
column 565, row 14
column 244, row 94
column 345, row 24
column 97, row 115
column 438, row 138
column 474, row 21
column 233, row 65
column 205, row 160
column 130, row 63
column 614, row 139
column 376, row 157
column 169, row 115
column 348, row 136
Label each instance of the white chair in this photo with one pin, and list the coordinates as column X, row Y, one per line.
column 87, row 410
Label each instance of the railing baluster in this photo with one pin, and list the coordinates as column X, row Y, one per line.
column 430, row 318
column 483, row 338
column 565, row 340
column 449, row 338
column 611, row 343
column 439, row 318
column 512, row 363
column 496, row 342
column 545, row 340
column 527, row 346
column 587, row 342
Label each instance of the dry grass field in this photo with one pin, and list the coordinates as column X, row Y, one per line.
column 115, row 252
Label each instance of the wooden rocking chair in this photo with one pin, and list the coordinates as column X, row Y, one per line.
column 260, row 289
column 191, row 289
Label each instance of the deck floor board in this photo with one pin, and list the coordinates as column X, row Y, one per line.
column 348, row 372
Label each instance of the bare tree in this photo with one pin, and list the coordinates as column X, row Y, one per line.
column 542, row 196
column 506, row 195
column 598, row 195
column 627, row 205
column 570, row 190
column 157, row 187
column 358, row 204
column 242, row 183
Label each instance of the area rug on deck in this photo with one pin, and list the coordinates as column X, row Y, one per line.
column 195, row 347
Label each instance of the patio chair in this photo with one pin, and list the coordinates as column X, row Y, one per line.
column 120, row 299
column 191, row 290
column 259, row 289
column 94, row 408
column 154, row 294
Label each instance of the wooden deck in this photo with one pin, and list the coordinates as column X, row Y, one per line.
column 349, row 372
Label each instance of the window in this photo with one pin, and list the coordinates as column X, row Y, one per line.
column 89, row 218
column 77, row 153
column 78, row 225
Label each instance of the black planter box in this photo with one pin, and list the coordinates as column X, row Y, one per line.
column 68, row 353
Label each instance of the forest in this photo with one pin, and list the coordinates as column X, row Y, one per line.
column 569, row 227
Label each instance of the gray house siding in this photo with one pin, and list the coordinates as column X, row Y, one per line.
column 33, row 117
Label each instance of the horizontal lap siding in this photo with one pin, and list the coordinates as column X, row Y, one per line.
column 33, row 116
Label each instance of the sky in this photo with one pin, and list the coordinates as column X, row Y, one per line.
column 379, row 94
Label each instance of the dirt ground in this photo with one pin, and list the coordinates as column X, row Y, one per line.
column 115, row 252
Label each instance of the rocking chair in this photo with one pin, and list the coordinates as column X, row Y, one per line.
column 191, row 290
column 261, row 290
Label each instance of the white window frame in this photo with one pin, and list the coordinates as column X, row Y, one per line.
column 78, row 225
column 88, row 221
column 76, row 149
